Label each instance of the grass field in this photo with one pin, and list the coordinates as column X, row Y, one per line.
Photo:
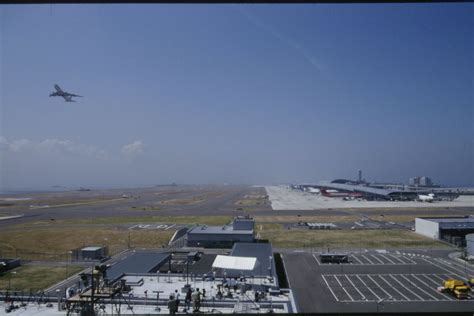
column 51, row 240
column 53, row 243
column 344, row 238
column 33, row 277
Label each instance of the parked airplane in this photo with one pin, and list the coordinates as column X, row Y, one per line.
column 66, row 95
column 426, row 198
column 335, row 193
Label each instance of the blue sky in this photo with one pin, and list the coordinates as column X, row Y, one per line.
column 236, row 93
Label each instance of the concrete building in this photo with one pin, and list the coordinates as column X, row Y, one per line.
column 240, row 230
column 450, row 229
column 89, row 253
column 470, row 245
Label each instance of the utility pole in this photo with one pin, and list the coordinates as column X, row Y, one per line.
column 92, row 291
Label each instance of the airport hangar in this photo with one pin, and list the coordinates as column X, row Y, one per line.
column 451, row 229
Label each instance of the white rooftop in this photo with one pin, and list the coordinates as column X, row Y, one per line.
column 235, row 263
column 91, row 248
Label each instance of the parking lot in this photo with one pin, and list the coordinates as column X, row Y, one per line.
column 388, row 287
column 396, row 281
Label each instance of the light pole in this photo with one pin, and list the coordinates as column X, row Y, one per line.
column 67, row 262
column 10, row 279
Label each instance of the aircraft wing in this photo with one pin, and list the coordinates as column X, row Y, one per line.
column 72, row 95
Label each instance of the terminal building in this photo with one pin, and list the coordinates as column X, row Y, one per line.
column 420, row 182
column 450, row 229
column 240, row 230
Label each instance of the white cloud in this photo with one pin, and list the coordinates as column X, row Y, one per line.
column 3, row 143
column 134, row 149
column 20, row 145
column 69, row 147
column 54, row 146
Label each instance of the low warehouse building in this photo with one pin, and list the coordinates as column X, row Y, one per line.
column 450, row 229
column 89, row 253
column 241, row 230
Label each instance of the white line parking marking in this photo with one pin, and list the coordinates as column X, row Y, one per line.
column 463, row 267
column 397, row 258
column 419, row 287
column 355, row 287
column 436, row 284
column 410, row 261
column 388, row 259
column 376, row 258
column 315, row 258
column 396, row 290
column 450, row 265
column 337, row 279
column 327, row 284
column 367, row 259
column 378, row 297
column 438, row 277
column 358, row 260
column 406, row 288
column 378, row 285
column 401, row 280
column 443, row 268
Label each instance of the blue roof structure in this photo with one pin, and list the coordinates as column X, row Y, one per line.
column 219, row 230
column 137, row 262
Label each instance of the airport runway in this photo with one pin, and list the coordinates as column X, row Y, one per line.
column 210, row 200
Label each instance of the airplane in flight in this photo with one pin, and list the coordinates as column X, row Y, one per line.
column 66, row 95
